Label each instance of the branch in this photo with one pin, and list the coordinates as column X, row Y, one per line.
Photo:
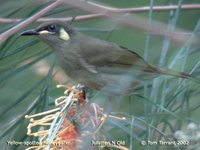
column 21, row 25
column 78, row 18
column 133, row 21
column 116, row 10
column 147, row 8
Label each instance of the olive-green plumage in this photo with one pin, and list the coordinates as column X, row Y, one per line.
column 96, row 63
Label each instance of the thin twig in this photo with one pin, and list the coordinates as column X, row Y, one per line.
column 116, row 10
column 147, row 8
column 65, row 19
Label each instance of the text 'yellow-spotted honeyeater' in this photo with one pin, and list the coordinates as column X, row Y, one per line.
column 97, row 63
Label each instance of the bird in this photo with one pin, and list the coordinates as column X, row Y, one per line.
column 96, row 63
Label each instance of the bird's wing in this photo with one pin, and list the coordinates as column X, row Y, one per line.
column 103, row 56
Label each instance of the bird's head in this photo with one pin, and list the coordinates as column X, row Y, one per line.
column 52, row 32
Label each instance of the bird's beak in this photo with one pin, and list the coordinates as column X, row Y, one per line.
column 29, row 32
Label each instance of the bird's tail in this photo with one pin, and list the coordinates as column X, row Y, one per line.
column 170, row 72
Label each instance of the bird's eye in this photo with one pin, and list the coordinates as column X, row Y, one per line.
column 52, row 28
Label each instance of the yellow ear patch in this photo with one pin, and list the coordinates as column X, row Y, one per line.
column 63, row 34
